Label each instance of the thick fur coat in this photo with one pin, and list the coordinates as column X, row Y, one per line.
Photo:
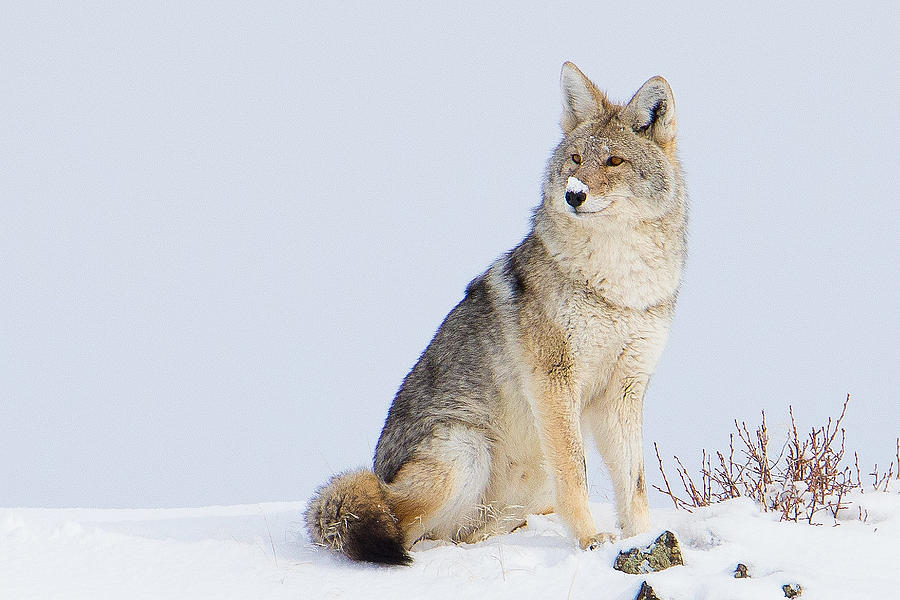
column 554, row 343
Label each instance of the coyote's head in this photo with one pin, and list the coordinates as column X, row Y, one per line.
column 614, row 213
column 615, row 162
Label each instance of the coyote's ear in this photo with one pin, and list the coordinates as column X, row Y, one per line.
column 581, row 99
column 652, row 112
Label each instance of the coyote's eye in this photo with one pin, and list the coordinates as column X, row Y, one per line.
column 614, row 161
column 576, row 158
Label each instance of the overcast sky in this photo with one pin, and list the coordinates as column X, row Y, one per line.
column 229, row 231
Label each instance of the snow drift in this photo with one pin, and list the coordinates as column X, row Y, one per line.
column 260, row 551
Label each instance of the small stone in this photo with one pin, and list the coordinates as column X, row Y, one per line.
column 741, row 572
column 646, row 593
column 663, row 553
column 792, row 590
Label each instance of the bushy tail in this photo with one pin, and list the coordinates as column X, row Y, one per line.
column 350, row 514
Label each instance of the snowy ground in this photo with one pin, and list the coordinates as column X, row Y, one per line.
column 260, row 551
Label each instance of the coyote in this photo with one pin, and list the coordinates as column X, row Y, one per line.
column 559, row 336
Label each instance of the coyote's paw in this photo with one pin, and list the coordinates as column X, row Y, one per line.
column 595, row 541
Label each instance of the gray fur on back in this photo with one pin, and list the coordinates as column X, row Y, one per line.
column 450, row 382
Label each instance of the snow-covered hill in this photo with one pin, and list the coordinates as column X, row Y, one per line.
column 261, row 551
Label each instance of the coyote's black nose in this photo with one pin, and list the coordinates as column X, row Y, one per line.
column 575, row 199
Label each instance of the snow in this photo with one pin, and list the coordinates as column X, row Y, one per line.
column 573, row 184
column 261, row 551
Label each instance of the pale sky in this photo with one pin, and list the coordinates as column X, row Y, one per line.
column 229, row 231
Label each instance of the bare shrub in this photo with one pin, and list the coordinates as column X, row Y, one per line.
column 807, row 478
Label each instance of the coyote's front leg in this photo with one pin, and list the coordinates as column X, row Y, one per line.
column 616, row 421
column 559, row 426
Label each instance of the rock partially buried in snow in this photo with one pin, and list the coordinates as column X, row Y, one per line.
column 663, row 553
column 741, row 571
column 646, row 593
column 791, row 590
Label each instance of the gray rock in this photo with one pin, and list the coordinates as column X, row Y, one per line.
column 646, row 593
column 663, row 553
